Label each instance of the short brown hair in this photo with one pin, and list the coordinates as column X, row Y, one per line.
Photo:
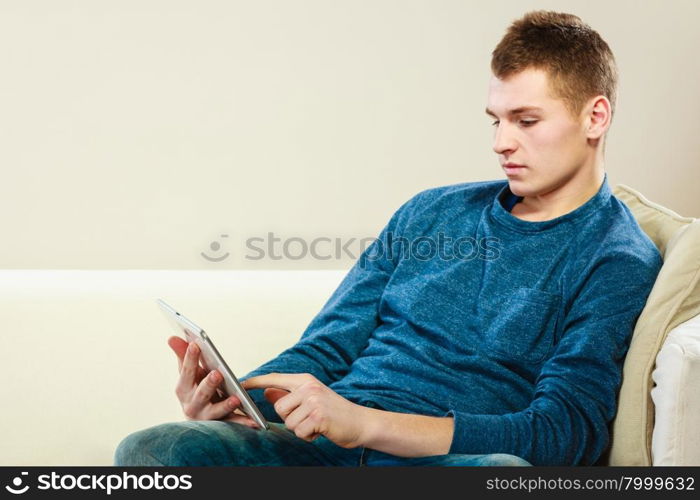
column 578, row 61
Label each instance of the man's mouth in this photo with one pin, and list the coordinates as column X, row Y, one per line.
column 513, row 168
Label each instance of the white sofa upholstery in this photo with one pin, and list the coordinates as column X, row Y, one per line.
column 85, row 361
column 676, row 396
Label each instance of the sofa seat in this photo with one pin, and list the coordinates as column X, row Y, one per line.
column 85, row 360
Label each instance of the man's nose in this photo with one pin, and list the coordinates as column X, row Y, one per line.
column 503, row 139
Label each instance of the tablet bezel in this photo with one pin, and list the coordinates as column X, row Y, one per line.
column 211, row 356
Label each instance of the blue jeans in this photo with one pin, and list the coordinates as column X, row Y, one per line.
column 219, row 443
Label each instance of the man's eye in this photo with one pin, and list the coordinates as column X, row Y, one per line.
column 526, row 123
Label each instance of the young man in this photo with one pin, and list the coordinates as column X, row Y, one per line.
column 510, row 354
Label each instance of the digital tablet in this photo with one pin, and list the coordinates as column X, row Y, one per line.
column 211, row 360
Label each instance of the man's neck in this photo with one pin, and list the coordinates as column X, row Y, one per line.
column 561, row 200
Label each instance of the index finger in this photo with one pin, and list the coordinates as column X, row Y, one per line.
column 286, row 381
column 179, row 346
column 190, row 365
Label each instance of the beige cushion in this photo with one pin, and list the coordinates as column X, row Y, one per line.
column 659, row 223
column 676, row 397
column 675, row 298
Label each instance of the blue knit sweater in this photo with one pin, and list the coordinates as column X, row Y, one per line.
column 517, row 329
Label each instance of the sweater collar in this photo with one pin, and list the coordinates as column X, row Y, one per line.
column 505, row 200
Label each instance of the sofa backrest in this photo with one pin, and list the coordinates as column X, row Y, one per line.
column 674, row 299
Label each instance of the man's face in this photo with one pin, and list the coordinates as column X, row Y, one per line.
column 551, row 145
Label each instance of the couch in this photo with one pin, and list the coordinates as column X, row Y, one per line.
column 85, row 360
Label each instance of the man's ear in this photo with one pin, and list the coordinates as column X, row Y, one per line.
column 599, row 117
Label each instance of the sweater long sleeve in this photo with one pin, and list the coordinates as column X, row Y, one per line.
column 516, row 329
column 341, row 330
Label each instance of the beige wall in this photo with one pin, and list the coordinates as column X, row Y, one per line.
column 135, row 133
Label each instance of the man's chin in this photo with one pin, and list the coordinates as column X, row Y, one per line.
column 520, row 188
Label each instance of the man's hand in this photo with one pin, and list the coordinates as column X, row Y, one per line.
column 310, row 408
column 197, row 390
